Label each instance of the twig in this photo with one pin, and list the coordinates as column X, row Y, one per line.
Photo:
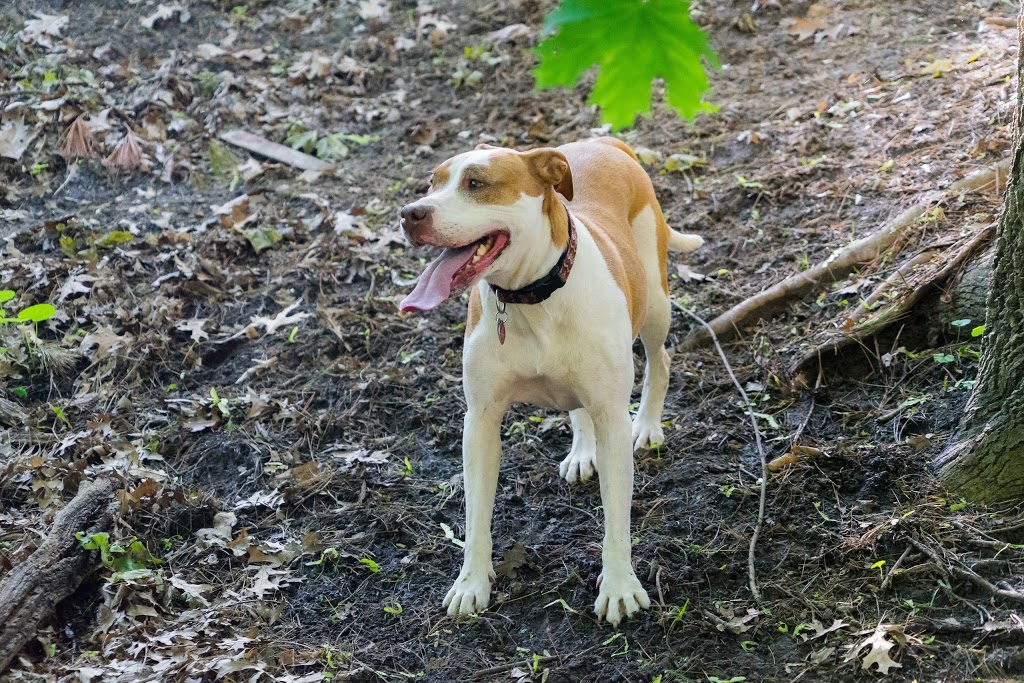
column 803, row 425
column 508, row 666
column 892, row 572
column 751, row 571
column 981, row 582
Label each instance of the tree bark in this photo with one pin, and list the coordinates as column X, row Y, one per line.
column 984, row 459
column 29, row 593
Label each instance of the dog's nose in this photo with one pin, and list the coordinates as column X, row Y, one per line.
column 415, row 213
column 417, row 222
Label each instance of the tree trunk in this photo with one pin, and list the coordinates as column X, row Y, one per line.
column 984, row 459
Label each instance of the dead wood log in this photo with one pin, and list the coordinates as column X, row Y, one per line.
column 843, row 261
column 31, row 591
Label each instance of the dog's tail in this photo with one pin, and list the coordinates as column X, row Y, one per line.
column 680, row 241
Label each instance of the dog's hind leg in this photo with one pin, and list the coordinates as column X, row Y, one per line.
column 651, row 235
column 581, row 463
column 647, row 432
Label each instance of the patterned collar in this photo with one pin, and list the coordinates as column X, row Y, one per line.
column 539, row 290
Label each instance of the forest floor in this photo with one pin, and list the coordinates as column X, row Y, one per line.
column 227, row 347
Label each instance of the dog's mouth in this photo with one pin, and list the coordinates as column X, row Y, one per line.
column 454, row 271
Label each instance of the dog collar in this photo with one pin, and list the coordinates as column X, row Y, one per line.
column 539, row 290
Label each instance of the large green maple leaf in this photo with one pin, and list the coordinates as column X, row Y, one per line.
column 633, row 42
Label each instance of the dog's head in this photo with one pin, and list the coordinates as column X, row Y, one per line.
column 495, row 213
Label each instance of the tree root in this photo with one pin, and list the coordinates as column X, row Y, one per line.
column 31, row 591
column 842, row 262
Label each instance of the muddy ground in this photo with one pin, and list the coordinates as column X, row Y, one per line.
column 288, row 444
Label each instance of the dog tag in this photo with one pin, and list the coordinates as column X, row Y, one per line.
column 500, row 319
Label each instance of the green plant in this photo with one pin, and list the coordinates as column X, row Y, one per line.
column 118, row 556
column 32, row 314
column 632, row 43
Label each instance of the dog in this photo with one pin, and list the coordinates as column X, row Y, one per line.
column 564, row 251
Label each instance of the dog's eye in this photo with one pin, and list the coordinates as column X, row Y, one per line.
column 474, row 184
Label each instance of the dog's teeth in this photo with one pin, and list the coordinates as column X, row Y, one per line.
column 481, row 250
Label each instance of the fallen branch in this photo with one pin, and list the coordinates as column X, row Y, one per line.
column 751, row 551
column 883, row 317
column 272, row 150
column 29, row 593
column 841, row 263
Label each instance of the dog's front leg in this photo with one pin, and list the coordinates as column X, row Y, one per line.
column 481, row 457
column 620, row 593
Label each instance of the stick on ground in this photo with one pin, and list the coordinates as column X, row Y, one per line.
column 751, row 570
column 31, row 591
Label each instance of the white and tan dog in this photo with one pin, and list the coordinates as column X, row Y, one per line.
column 561, row 291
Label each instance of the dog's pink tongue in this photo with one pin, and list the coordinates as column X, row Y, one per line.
column 435, row 283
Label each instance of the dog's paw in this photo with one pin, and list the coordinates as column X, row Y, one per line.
column 580, row 464
column 647, row 434
column 470, row 593
column 620, row 597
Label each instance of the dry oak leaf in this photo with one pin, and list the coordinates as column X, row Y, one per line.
column 106, row 342
column 42, row 28
column 194, row 327
column 15, row 137
column 282, row 319
column 814, row 25
column 166, row 12
column 875, row 650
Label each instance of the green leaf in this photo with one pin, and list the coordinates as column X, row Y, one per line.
column 633, row 43
column 357, row 138
column 961, row 323
column 262, row 238
column 978, row 331
column 67, row 245
column 114, row 238
column 943, row 357
column 370, row 564
column 6, row 295
column 300, row 138
column 222, row 160
column 37, row 313
column 20, row 392
column 331, row 148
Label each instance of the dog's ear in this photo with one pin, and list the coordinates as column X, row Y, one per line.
column 552, row 168
column 484, row 145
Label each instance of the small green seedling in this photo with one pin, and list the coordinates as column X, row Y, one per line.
column 395, row 609
column 878, row 565
column 219, row 403
column 32, row 314
column 370, row 564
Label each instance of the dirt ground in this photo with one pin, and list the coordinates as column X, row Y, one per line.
column 227, row 347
